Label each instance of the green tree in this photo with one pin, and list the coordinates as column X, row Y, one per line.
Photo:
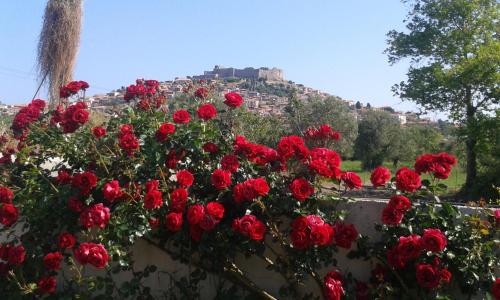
column 454, row 51
column 315, row 111
column 402, row 147
column 376, row 133
column 265, row 130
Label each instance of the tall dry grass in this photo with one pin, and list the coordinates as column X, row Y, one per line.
column 58, row 44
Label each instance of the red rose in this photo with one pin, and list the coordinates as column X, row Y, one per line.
column 250, row 226
column 201, row 93
column 63, row 177
column 445, row 275
column 152, row 185
column 394, row 259
column 66, row 240
column 206, row 112
column 6, row 195
column 164, row 131
column 125, row 129
column 407, row 180
column 230, row 163
column 438, row 164
column 195, row 214
column 95, row 216
column 332, row 288
column 185, row 178
column 52, row 261
column 300, row 239
column 301, row 189
column 221, row 179
column 80, row 116
column 210, row 148
column 181, row 116
column 433, row 240
column 46, row 285
column 173, row 221
column 90, row 253
column 154, row 223
column 16, row 255
column 409, row 247
column 292, row 145
column 321, row 234
column 111, row 191
column 215, row 209
column 351, row 180
column 129, row 143
column 75, row 204
column 173, row 157
column 153, row 199
column 428, row 276
column 495, row 289
column 243, row 192
column 391, row 216
column 178, row 199
column 380, row 176
column 259, row 186
column 98, row 132
column 85, row 182
column 233, row 100
column 344, row 235
column 208, row 222
column 8, row 214
column 399, row 203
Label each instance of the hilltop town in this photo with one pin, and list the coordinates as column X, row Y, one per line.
column 265, row 90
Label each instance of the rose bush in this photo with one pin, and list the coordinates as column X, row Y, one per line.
column 74, row 197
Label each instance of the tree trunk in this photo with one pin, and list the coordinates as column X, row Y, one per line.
column 470, row 143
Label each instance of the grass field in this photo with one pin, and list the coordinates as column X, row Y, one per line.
column 454, row 182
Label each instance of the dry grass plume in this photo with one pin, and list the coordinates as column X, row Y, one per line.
column 58, row 44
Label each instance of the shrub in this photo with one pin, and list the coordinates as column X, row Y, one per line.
column 77, row 197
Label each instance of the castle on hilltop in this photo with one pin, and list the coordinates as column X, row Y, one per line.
column 219, row 72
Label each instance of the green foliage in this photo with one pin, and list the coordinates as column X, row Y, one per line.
column 303, row 114
column 377, row 133
column 455, row 56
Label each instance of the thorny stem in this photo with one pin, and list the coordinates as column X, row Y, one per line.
column 45, row 178
column 231, row 272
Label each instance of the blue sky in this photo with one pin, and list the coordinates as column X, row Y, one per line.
column 333, row 45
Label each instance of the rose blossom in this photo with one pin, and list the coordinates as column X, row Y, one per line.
column 344, row 234
column 95, row 216
column 46, row 285
column 221, row 179
column 185, row 178
column 433, row 240
column 173, row 221
column 98, row 132
column 90, row 253
column 164, row 131
column 230, row 163
column 6, row 195
column 351, row 180
column 301, row 189
column 111, row 191
column 66, row 240
column 233, row 100
column 8, row 214
column 52, row 261
column 181, row 116
column 380, row 176
column 178, row 199
column 206, row 111
column 407, row 180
